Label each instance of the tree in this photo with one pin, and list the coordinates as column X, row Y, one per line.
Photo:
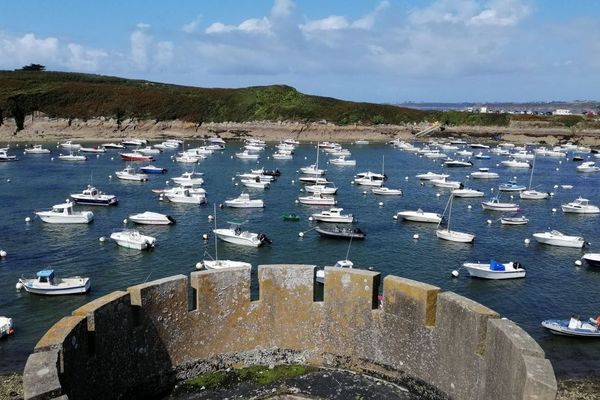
column 34, row 67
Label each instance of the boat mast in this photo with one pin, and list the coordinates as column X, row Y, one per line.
column 216, row 247
column 348, row 251
column 317, row 164
column 450, row 212
column 531, row 175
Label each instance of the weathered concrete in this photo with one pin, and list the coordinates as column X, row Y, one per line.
column 139, row 342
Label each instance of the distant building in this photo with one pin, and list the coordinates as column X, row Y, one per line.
column 483, row 110
column 561, row 111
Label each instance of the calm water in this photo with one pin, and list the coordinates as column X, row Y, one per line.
column 554, row 286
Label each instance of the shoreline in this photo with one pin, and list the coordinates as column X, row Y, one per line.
column 40, row 128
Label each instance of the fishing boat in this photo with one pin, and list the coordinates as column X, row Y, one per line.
column 234, row 234
column 431, row 175
column 37, row 149
column 484, row 173
column 457, row 163
column 151, row 218
column 341, row 233
column 133, row 239
column 464, row 153
column 573, row 327
column 71, row 157
column 445, row 183
column 189, row 178
column 290, row 217
column 385, row 191
column 317, row 199
column 135, row 157
column 151, row 169
column 333, row 215
column 313, row 180
column 515, row 164
column 6, row 327
column 588, row 167
column 447, row 234
column 4, row 157
column 320, row 275
column 593, row 259
column 255, row 183
column 556, row 238
column 468, row 193
column 47, row 283
column 282, row 155
column 246, row 155
column 69, row 145
column 93, row 197
column 64, row 214
column 371, row 178
column 342, row 161
column 494, row 204
column 522, row 155
column 495, row 270
column 130, row 174
column 328, row 188
column 95, row 150
column 420, row 216
column 244, row 201
column 183, row 196
column 580, row 206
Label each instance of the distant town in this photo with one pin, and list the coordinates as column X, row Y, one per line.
column 588, row 108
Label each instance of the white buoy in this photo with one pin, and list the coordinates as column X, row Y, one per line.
column 515, row 178
column 232, row 157
column 210, row 217
column 554, row 210
column 526, row 241
column 102, row 239
column 51, row 158
column 112, row 158
column 301, row 234
column 97, row 155
column 161, row 197
column 558, row 169
column 310, row 218
column 455, row 274
column 381, row 204
column 199, row 265
column 560, row 162
column 416, row 236
column 395, row 217
column 296, row 201
column 166, row 182
column 27, row 219
column 578, row 263
column 125, row 221
column 205, row 236
column 301, row 190
column 8, row 180
column 489, row 221
column 110, row 177
column 3, row 253
column 235, row 184
column 19, row 286
column 233, row 179
column 491, row 189
column 306, row 158
column 437, row 195
column 512, row 197
column 551, row 194
column 469, row 206
column 555, row 186
column 406, row 178
column 364, row 192
column 293, row 181
column 422, row 183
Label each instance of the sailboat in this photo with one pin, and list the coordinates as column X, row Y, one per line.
column 216, row 263
column 345, row 263
column 532, row 194
column 314, row 168
column 453, row 236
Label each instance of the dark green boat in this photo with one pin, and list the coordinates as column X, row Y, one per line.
column 291, row 217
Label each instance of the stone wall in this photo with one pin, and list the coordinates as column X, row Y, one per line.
column 137, row 344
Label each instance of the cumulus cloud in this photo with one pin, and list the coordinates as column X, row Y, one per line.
column 282, row 8
column 252, row 25
column 192, row 26
column 337, row 22
column 140, row 41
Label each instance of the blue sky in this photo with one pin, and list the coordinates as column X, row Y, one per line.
column 364, row 50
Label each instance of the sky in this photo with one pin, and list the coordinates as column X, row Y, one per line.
column 386, row 51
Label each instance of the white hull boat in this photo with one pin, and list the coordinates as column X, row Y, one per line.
column 112, row 146
column 334, row 215
column 593, row 259
column 37, row 149
column 71, row 157
column 244, row 201
column 130, row 174
column 132, row 239
column 317, row 200
column 431, row 175
column 454, row 236
column 580, row 206
column 48, row 284
column 573, row 327
column 533, row 195
column 68, row 145
column 515, row 164
column 92, row 197
column 495, row 205
column 6, row 327
column 94, row 150
column 184, row 196
column 239, row 237
column 246, row 155
column 187, row 159
column 420, row 216
column 189, row 178
column 467, row 193
column 342, row 161
column 322, row 189
column 254, row 184
column 484, row 173
column 224, row 264
column 312, row 170
column 556, row 238
column 514, row 221
column 495, row 270
column 151, row 218
column 588, row 167
column 64, row 214
column 443, row 183
column 385, row 191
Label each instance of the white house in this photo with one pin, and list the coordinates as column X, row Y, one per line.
column 561, row 111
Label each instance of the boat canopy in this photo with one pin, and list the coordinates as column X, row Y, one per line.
column 62, row 206
column 46, row 273
column 496, row 266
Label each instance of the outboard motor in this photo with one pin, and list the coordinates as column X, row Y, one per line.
column 264, row 239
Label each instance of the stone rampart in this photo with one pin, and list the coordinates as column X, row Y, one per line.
column 138, row 343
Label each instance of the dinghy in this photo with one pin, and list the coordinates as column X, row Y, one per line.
column 573, row 327
column 495, row 270
column 132, row 239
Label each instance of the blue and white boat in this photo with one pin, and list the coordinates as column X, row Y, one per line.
column 47, row 283
column 573, row 327
column 151, row 169
column 511, row 186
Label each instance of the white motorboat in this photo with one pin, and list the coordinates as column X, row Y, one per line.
column 479, row 146
column 37, row 149
column 573, row 327
column 494, row 204
column 71, row 157
column 47, row 283
column 135, row 156
column 320, row 275
column 5, row 157
column 317, row 199
column 556, row 238
column 64, row 214
column 151, row 218
column 385, row 191
column 148, row 151
column 580, row 206
column 282, row 155
column 69, row 145
column 495, row 270
column 588, row 167
column 244, row 201
column 369, row 179
column 457, row 163
column 522, row 155
column 334, row 215
column 514, row 220
column 593, row 259
column 446, row 233
column 444, row 183
column 481, row 156
column 532, row 194
column 130, row 174
column 189, row 178
column 216, row 140
column 511, row 186
column 184, row 196
column 133, row 239
column 95, row 150
column 420, row 216
column 435, row 154
column 466, row 192
column 464, row 153
column 515, row 164
column 431, row 175
column 246, row 155
column 342, row 161
column 234, row 234
column 484, row 173
column 93, row 197
column 256, row 183
column 313, row 180
column 361, row 142
column 312, row 170
column 112, row 146
column 6, row 327
column 134, row 142
column 185, row 158
column 321, row 188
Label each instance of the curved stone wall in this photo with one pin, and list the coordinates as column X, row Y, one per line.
column 138, row 343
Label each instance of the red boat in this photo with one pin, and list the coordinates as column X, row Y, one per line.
column 135, row 157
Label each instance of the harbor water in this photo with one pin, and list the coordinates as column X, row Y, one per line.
column 554, row 287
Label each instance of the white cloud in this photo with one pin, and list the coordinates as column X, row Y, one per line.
column 192, row 26
column 282, row 8
column 82, row 59
column 164, row 53
column 331, row 23
column 252, row 25
column 140, row 42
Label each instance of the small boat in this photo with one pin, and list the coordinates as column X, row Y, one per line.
column 148, row 151
column 479, row 146
column 244, row 201
column 133, row 239
column 189, row 178
column 494, row 204
column 361, row 142
column 577, row 158
column 495, row 270
column 184, row 196
column 282, row 155
column 256, row 183
column 47, row 283
column 484, row 173
column 511, row 186
column 481, row 156
column 573, row 327
column 96, row 150
column 321, row 188
column 151, row 169
column 446, row 233
column 187, row 159
column 92, row 197
column 312, row 170
column 385, row 191
column 234, row 234
column 593, row 259
column 71, row 157
column 134, row 142
column 514, row 220
column 313, row 180
column 37, row 149
column 246, row 155
column 6, row 327
column 444, row 183
column 522, row 155
column 531, row 194
column 112, row 146
column 342, row 161
column 431, row 175
column 69, row 145
column 457, row 163
column 334, row 215
column 291, row 217
column 320, row 275
column 4, row 157
column 135, row 157
column 468, row 193
column 151, row 218
column 130, row 174
column 580, row 206
column 515, row 164
column 588, row 167
column 434, row 154
column 341, row 233
column 64, row 214
column 420, row 216
column 317, row 199
column 369, row 179
column 556, row 238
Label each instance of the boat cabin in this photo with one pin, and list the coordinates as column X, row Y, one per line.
column 65, row 208
column 46, row 276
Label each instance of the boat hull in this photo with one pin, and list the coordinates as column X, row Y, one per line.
column 94, row 202
column 483, row 271
column 558, row 242
column 79, row 289
column 454, row 236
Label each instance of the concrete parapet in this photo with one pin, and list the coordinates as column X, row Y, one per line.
column 135, row 344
